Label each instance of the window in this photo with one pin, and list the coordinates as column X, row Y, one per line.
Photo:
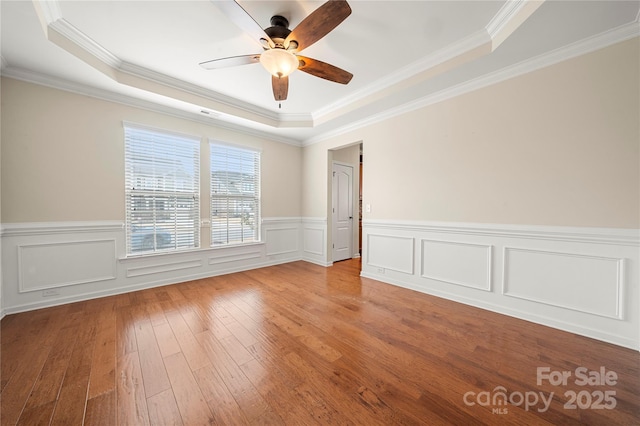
column 162, row 172
column 235, row 195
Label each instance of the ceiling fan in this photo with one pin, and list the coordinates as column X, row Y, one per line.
column 281, row 45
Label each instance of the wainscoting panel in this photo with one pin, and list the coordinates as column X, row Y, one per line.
column 582, row 280
column 163, row 267
column 314, row 241
column 282, row 240
column 391, row 252
column 587, row 284
column 471, row 269
column 44, row 265
column 235, row 257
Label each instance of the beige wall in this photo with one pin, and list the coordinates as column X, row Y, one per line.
column 558, row 146
column 63, row 157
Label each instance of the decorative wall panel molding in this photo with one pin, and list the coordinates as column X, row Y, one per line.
column 45, row 265
column 227, row 258
column 159, row 268
column 390, row 252
column 282, row 240
column 315, row 240
column 588, row 284
column 471, row 269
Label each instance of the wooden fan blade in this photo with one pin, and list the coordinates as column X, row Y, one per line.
column 324, row 70
column 232, row 61
column 280, row 87
column 319, row 23
column 242, row 19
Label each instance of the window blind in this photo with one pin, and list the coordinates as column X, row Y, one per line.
column 235, row 195
column 162, row 172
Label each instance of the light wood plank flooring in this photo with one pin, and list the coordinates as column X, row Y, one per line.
column 300, row 344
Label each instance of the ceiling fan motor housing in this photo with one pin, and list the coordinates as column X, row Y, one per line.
column 279, row 30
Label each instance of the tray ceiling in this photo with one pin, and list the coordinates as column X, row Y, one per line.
column 402, row 54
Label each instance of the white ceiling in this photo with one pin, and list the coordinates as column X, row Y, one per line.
column 403, row 54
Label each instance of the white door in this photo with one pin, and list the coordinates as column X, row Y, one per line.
column 342, row 211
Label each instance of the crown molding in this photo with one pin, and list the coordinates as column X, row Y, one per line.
column 582, row 47
column 86, row 43
column 508, row 10
column 275, row 120
column 420, row 66
column 509, row 18
column 107, row 95
column 50, row 10
column 512, row 13
column 121, row 69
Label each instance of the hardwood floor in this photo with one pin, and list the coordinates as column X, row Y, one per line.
column 300, row 344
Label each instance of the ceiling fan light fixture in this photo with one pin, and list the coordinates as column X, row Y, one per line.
column 279, row 62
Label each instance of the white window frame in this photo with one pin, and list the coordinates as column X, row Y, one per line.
column 235, row 189
column 161, row 167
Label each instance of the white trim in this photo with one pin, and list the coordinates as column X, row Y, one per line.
column 163, row 267
column 227, row 258
column 616, row 236
column 258, row 114
column 84, row 42
column 501, row 19
column 295, row 249
column 489, row 259
column 619, row 315
column 49, row 228
column 50, row 10
column 21, row 247
column 315, row 250
column 389, row 266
